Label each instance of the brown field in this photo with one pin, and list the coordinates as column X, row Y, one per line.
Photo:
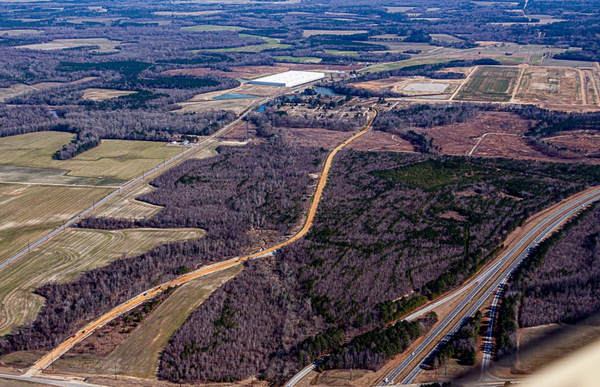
column 586, row 141
column 29, row 212
column 459, row 139
column 311, row 137
column 105, row 45
column 591, row 89
column 104, row 94
column 550, row 86
column 138, row 354
column 236, row 105
column 64, row 257
column 381, row 141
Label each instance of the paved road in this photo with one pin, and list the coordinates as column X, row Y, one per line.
column 57, row 352
column 483, row 281
column 51, row 382
column 127, row 185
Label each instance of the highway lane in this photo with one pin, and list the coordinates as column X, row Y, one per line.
column 57, row 352
column 538, row 233
column 127, row 185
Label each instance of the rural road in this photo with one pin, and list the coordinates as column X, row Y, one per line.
column 127, row 185
column 57, row 352
column 485, row 283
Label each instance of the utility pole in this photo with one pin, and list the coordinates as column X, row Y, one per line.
column 115, row 370
column 247, row 130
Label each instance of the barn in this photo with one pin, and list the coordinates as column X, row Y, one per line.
column 289, row 78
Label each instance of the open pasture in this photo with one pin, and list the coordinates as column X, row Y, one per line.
column 20, row 32
column 104, row 94
column 139, row 354
column 211, row 27
column 113, row 159
column 27, row 212
column 65, row 257
column 104, row 45
column 299, row 59
column 554, row 86
column 490, row 83
column 309, row 33
column 402, row 64
column 270, row 43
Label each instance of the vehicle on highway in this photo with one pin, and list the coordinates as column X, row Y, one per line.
column 75, row 335
column 145, row 294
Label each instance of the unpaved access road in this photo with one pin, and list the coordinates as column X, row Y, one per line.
column 57, row 352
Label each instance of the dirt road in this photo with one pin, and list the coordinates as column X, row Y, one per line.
column 49, row 358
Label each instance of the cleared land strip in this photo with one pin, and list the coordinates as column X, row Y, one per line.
column 487, row 281
column 130, row 184
column 64, row 258
column 56, row 353
column 517, row 84
column 487, row 134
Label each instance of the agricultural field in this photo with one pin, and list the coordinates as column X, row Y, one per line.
column 299, row 59
column 100, row 20
column 402, row 64
column 20, row 32
column 446, row 38
column 270, row 43
column 591, row 90
column 111, row 162
column 27, row 212
column 309, row 33
column 237, row 105
column 340, row 52
column 105, row 45
column 126, row 206
column 490, row 84
column 18, row 89
column 550, row 86
column 190, row 13
column 138, row 354
column 63, row 258
column 104, row 94
column 210, row 27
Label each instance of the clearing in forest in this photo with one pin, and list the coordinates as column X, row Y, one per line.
column 309, row 33
column 138, row 353
column 490, row 84
column 63, row 258
column 105, row 45
column 104, row 94
column 210, row 27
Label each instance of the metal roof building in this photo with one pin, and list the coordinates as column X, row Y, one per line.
column 289, row 78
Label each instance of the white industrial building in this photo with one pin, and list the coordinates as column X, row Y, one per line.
column 289, row 78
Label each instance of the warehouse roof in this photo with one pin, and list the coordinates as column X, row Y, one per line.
column 289, row 78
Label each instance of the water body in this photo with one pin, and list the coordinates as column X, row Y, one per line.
column 325, row 91
column 261, row 108
column 233, row 96
column 53, row 112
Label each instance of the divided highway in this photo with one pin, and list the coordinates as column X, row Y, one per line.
column 486, row 282
column 49, row 358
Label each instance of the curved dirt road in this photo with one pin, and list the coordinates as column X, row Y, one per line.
column 50, row 357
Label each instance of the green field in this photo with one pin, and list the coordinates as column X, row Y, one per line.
column 210, row 27
column 113, row 159
column 340, row 52
column 298, row 59
column 138, row 354
column 402, row 64
column 509, row 59
column 63, row 258
column 490, row 84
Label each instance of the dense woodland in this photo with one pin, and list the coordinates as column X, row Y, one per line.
column 387, row 224
column 241, row 197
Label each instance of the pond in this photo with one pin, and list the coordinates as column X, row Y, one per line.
column 233, row 96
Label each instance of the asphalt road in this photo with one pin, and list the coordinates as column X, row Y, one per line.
column 127, row 185
column 57, row 352
column 482, row 281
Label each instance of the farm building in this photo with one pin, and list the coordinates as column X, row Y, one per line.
column 289, row 78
